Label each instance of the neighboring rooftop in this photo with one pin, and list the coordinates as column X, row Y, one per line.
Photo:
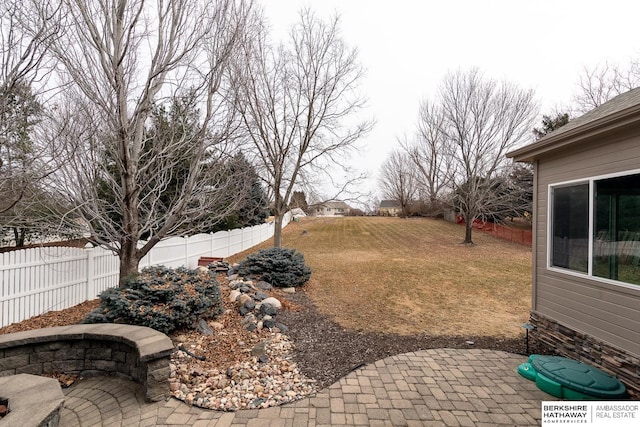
column 389, row 204
column 333, row 204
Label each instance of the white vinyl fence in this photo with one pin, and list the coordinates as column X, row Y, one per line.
column 37, row 280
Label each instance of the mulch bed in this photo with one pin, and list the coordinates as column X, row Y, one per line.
column 326, row 352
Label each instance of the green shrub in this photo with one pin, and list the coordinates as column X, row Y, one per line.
column 161, row 298
column 279, row 266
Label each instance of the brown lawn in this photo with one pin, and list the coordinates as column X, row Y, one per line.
column 412, row 276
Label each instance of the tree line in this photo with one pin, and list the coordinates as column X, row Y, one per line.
column 456, row 159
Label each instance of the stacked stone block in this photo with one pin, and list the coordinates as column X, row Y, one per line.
column 568, row 342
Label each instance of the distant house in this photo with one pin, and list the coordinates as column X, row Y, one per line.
column 389, row 208
column 586, row 261
column 331, row 208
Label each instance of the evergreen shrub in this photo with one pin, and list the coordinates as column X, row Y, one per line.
column 161, row 298
column 281, row 267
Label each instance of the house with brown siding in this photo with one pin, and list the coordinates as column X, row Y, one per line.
column 586, row 238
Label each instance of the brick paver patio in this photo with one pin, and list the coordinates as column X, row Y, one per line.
column 441, row 387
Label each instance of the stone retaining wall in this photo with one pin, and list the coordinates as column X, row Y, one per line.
column 576, row 345
column 34, row 401
column 135, row 352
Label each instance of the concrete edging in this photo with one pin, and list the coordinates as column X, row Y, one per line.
column 135, row 352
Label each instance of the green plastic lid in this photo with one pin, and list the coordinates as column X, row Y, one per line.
column 579, row 376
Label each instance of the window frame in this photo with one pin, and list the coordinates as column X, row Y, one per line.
column 549, row 226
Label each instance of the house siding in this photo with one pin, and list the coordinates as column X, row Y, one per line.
column 330, row 209
column 607, row 312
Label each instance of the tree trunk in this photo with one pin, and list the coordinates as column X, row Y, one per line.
column 467, row 232
column 19, row 235
column 129, row 260
column 277, row 232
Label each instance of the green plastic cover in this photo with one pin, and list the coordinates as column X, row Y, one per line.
column 577, row 376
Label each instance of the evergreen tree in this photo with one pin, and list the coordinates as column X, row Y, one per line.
column 520, row 184
column 23, row 200
column 253, row 208
column 19, row 113
column 177, row 121
column 549, row 124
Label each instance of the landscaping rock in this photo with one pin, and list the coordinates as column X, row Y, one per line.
column 265, row 286
column 257, row 403
column 250, row 305
column 244, row 288
column 243, row 299
column 259, row 349
column 259, row 296
column 268, row 309
column 249, row 318
column 233, row 295
column 282, row 327
column 272, row 301
column 236, row 284
column 204, row 328
column 288, row 290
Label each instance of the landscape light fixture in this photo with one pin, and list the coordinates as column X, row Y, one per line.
column 528, row 327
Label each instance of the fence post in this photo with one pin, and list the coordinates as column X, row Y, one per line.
column 90, row 274
column 186, row 251
column 243, row 232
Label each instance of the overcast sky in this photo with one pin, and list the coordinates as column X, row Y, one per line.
column 408, row 46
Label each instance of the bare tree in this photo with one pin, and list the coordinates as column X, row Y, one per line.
column 605, row 81
column 483, row 119
column 25, row 35
column 121, row 60
column 398, row 180
column 427, row 152
column 293, row 101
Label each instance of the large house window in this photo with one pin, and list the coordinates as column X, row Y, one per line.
column 571, row 227
column 595, row 227
column 616, row 251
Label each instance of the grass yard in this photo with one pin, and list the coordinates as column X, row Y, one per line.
column 412, row 276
